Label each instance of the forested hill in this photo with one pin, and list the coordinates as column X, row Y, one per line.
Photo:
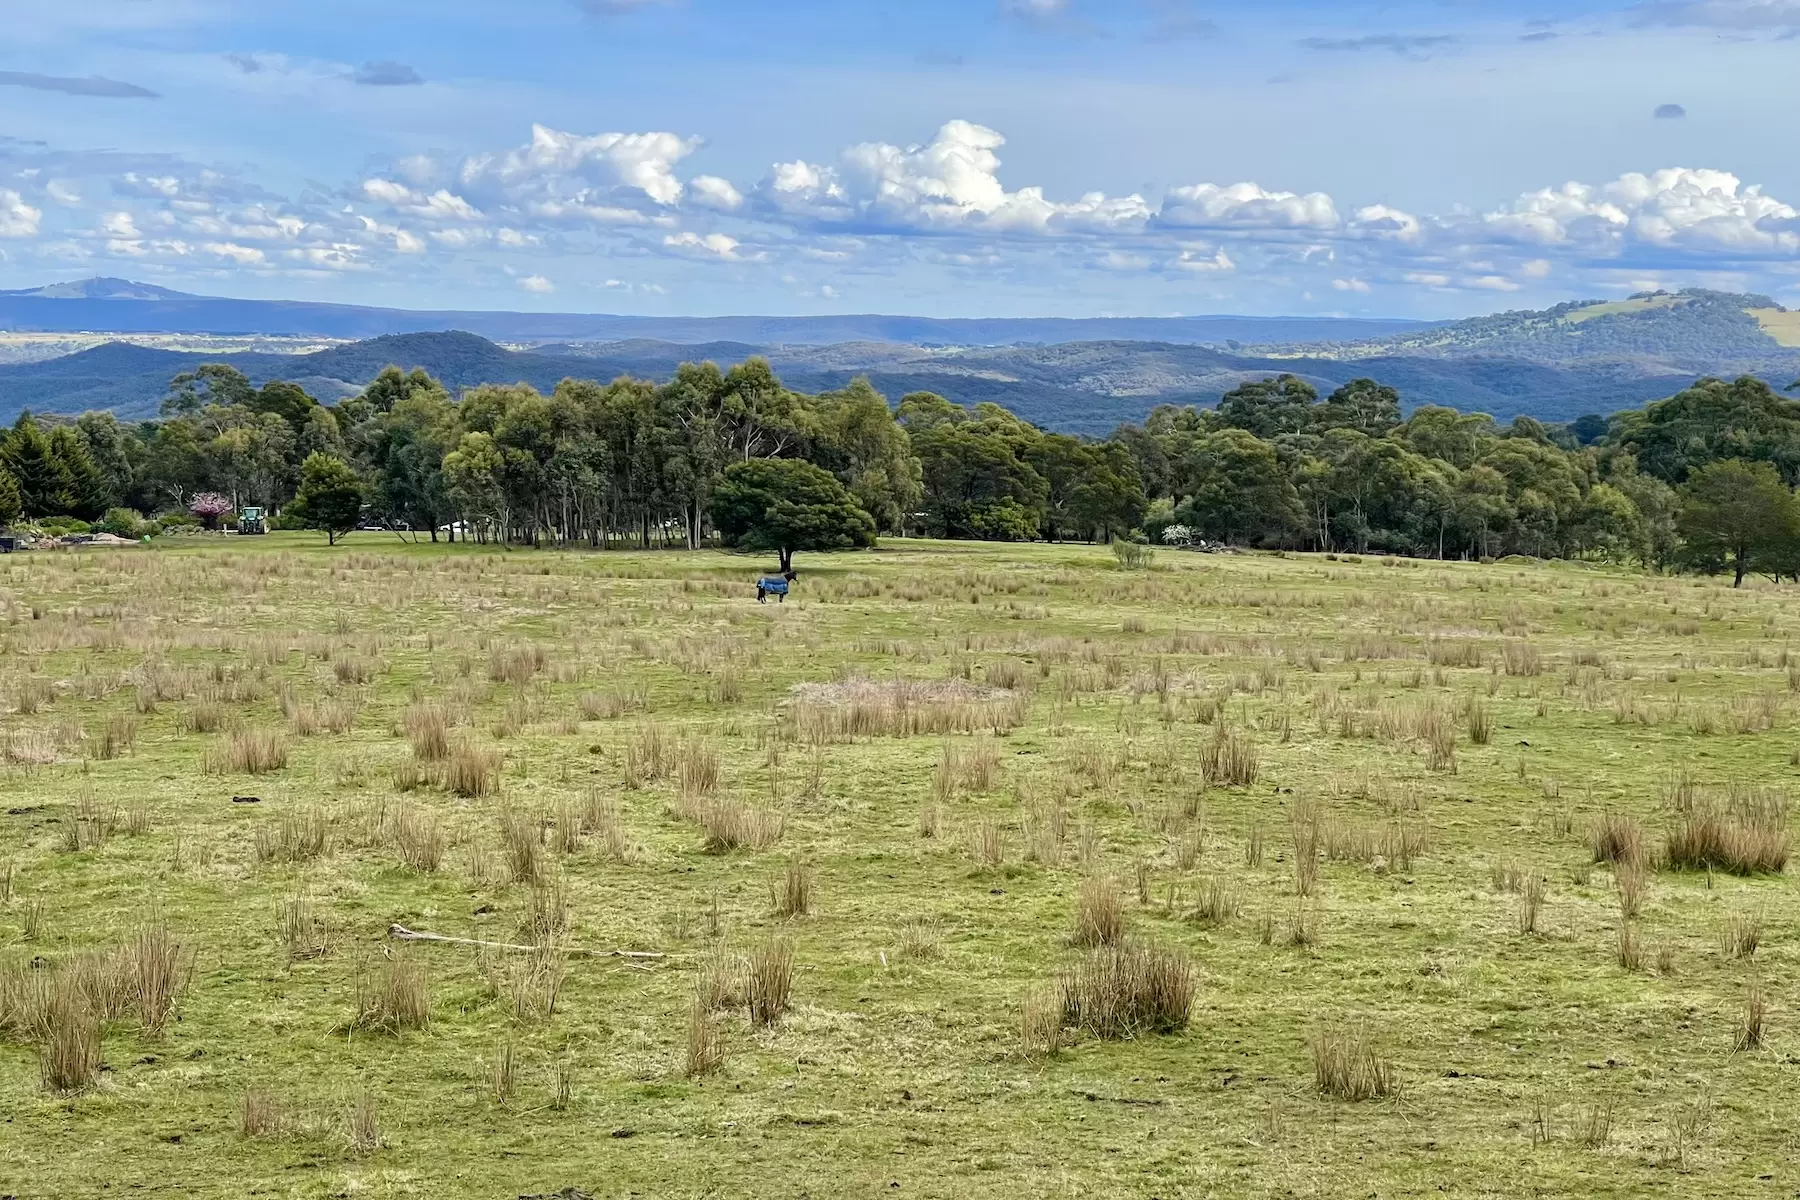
column 1653, row 333
column 1087, row 387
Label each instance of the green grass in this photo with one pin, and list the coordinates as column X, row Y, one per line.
column 1618, row 307
column 894, row 1072
column 1783, row 326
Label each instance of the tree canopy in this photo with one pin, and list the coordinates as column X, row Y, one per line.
column 711, row 454
column 330, row 498
column 787, row 505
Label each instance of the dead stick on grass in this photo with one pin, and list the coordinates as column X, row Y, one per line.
column 1096, row 1098
column 403, row 934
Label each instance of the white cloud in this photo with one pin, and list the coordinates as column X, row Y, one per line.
column 1674, row 208
column 537, row 283
column 1203, row 259
column 1388, row 224
column 243, row 256
column 717, row 245
column 709, row 191
column 950, row 183
column 17, row 218
column 1120, row 260
column 440, row 205
column 946, row 205
column 567, row 175
column 1207, row 205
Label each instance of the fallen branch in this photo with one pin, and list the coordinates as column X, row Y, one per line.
column 1096, row 1098
column 403, row 934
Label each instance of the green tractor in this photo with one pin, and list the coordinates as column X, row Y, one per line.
column 250, row 521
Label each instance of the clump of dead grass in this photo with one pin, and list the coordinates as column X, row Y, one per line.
column 1126, row 990
column 1346, row 1065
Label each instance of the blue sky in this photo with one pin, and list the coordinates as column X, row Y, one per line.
column 937, row 157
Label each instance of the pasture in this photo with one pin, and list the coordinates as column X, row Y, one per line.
column 971, row 870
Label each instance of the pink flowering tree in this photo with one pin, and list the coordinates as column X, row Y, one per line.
column 209, row 507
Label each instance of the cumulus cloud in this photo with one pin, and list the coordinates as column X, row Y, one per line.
column 606, row 177
column 91, row 85
column 440, row 205
column 709, row 245
column 1675, row 208
column 709, row 191
column 537, row 283
column 946, row 204
column 947, row 184
column 243, row 256
column 1384, row 223
column 17, row 218
column 1208, row 205
column 1202, row 259
column 386, row 73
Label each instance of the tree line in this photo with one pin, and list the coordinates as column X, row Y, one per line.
column 1703, row 479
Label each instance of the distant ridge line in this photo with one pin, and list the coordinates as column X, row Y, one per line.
column 124, row 306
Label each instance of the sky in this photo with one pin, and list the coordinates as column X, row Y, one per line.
column 940, row 158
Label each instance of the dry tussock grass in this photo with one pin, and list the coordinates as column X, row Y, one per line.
column 769, row 981
column 1099, row 913
column 1744, row 832
column 472, row 771
column 394, row 997
column 1127, row 990
column 427, row 727
column 1346, row 1066
column 294, row 837
column 248, row 752
column 792, row 894
column 866, row 708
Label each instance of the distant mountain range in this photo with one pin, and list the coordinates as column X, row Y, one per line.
column 120, row 306
column 1555, row 365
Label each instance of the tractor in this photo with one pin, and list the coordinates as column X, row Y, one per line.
column 250, row 521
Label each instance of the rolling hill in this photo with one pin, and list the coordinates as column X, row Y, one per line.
column 1690, row 332
column 121, row 306
column 1555, row 364
column 1087, row 387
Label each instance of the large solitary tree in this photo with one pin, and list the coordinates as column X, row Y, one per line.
column 785, row 505
column 1737, row 515
column 330, row 498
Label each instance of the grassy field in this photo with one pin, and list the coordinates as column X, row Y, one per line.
column 1002, row 806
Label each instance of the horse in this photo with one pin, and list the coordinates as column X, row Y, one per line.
column 776, row 586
